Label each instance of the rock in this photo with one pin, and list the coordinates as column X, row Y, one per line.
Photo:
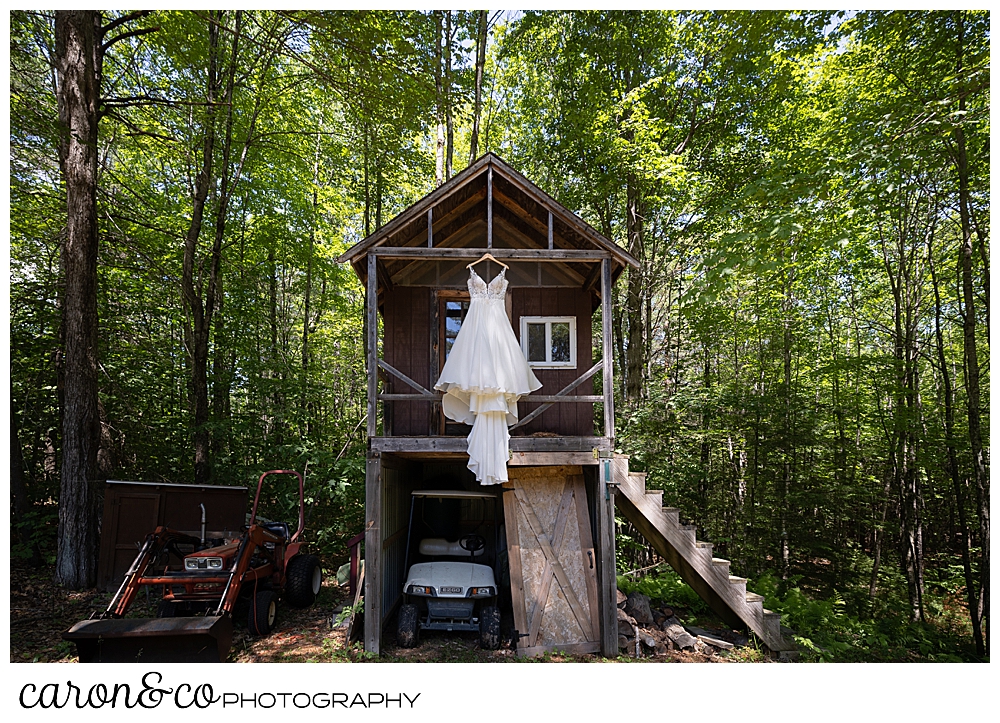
column 637, row 605
column 622, row 597
column 626, row 624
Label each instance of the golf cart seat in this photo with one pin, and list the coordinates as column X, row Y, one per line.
column 440, row 547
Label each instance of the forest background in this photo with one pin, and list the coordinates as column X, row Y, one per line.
column 802, row 356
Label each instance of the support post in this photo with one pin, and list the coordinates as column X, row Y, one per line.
column 430, row 227
column 372, row 312
column 550, row 230
column 373, row 550
column 489, row 208
column 608, row 583
column 606, row 352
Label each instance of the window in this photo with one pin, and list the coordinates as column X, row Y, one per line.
column 454, row 314
column 549, row 341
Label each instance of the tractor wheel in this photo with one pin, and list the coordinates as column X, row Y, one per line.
column 406, row 626
column 263, row 612
column 302, row 581
column 489, row 628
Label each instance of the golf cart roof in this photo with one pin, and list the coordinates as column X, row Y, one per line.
column 459, row 494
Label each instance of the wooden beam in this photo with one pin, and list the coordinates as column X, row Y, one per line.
column 550, row 229
column 607, row 574
column 460, row 445
column 515, row 208
column 401, row 221
column 547, row 399
column 505, row 230
column 549, row 459
column 607, row 352
column 444, row 220
column 436, row 418
column 562, row 393
column 571, row 220
column 489, row 208
column 372, row 312
column 453, row 238
column 399, row 375
column 373, row 550
column 430, row 227
column 454, row 254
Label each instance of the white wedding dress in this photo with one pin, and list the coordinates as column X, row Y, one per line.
column 485, row 374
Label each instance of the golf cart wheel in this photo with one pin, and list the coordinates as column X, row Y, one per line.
column 263, row 613
column 406, row 627
column 489, row 628
column 303, row 580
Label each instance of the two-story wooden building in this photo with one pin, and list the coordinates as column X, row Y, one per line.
column 561, row 272
column 557, row 526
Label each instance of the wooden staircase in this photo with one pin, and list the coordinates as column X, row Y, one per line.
column 709, row 576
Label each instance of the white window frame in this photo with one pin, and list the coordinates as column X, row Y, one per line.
column 548, row 321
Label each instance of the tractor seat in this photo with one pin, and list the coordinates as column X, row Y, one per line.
column 277, row 528
column 440, row 547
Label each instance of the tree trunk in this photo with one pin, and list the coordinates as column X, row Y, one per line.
column 199, row 321
column 951, row 463
column 77, row 58
column 636, row 350
column 980, row 473
column 480, row 68
column 448, row 109
column 439, row 102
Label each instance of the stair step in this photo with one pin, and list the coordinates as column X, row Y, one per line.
column 735, row 580
column 753, row 597
column 673, row 514
column 657, row 494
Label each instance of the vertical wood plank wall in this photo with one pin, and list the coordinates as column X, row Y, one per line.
column 396, row 490
column 575, row 420
column 407, row 347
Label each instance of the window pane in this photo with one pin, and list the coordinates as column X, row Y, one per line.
column 536, row 342
column 454, row 315
column 560, row 342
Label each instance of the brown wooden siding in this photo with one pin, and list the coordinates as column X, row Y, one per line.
column 576, row 420
column 406, row 318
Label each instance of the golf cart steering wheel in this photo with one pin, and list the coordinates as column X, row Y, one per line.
column 473, row 543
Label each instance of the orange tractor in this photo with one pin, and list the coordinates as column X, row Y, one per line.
column 215, row 581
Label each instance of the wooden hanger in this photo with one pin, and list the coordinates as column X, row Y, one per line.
column 486, row 256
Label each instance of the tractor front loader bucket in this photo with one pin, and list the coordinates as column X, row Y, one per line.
column 153, row 640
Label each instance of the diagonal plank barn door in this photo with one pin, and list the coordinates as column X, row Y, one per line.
column 552, row 560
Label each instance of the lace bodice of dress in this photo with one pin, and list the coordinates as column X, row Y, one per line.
column 495, row 290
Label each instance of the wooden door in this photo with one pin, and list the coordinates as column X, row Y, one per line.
column 553, row 573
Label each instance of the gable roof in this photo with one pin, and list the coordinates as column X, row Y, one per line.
column 457, row 200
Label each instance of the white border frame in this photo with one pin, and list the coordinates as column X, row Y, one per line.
column 548, row 321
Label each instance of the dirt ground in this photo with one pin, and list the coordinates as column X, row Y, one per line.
column 41, row 612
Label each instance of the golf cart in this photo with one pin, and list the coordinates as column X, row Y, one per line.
column 451, row 559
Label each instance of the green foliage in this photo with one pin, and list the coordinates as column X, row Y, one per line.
column 666, row 585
